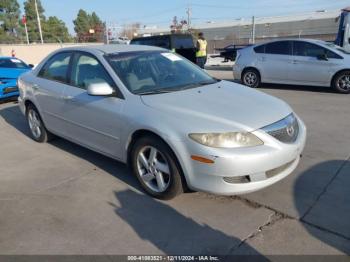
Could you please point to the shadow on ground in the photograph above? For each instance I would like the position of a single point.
(170, 231)
(328, 214)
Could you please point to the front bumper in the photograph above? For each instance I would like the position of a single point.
(241, 170)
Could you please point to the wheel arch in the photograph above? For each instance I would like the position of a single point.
(145, 132)
(251, 68)
(337, 73)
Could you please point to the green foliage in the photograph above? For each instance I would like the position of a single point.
(86, 22)
(9, 20)
(55, 30)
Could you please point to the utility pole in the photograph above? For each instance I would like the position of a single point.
(107, 33)
(189, 13)
(253, 30)
(39, 23)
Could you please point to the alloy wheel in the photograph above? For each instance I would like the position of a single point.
(344, 82)
(250, 78)
(153, 169)
(34, 123)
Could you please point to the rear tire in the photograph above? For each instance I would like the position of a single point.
(341, 82)
(155, 166)
(251, 78)
(37, 128)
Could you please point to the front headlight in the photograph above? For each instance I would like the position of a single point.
(227, 140)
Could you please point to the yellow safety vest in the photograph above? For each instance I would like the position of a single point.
(202, 48)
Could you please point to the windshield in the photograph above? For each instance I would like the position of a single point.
(336, 47)
(152, 72)
(12, 63)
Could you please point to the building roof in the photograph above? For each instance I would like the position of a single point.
(318, 15)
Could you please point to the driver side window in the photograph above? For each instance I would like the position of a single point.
(86, 70)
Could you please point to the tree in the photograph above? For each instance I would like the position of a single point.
(89, 28)
(9, 20)
(82, 25)
(32, 23)
(55, 30)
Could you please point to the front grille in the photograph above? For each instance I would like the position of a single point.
(285, 130)
(8, 90)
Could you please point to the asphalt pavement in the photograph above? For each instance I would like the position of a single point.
(60, 198)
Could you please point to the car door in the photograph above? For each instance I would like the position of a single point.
(273, 63)
(93, 121)
(48, 88)
(307, 66)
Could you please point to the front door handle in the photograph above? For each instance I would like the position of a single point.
(35, 87)
(294, 62)
(69, 98)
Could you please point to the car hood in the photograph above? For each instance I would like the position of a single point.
(11, 73)
(219, 107)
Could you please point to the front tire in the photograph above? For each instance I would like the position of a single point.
(155, 166)
(341, 82)
(251, 78)
(36, 126)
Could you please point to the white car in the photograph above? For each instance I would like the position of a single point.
(295, 62)
(175, 125)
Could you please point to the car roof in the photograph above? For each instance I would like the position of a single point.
(113, 48)
(315, 41)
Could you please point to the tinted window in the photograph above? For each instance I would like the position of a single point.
(278, 48)
(86, 70)
(56, 68)
(309, 49)
(260, 49)
(182, 42)
(12, 63)
(333, 55)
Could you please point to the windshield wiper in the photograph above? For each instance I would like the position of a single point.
(153, 92)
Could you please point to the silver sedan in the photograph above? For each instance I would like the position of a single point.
(174, 125)
(295, 62)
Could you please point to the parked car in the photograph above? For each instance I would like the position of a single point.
(10, 69)
(176, 126)
(182, 44)
(295, 62)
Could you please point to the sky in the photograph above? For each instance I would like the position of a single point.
(161, 12)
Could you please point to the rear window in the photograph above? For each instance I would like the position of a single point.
(279, 48)
(163, 42)
(183, 42)
(260, 49)
(12, 63)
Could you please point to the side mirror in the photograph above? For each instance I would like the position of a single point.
(31, 65)
(322, 57)
(100, 89)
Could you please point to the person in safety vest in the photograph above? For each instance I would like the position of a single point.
(201, 54)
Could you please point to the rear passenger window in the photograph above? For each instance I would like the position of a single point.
(279, 48)
(260, 49)
(310, 50)
(56, 68)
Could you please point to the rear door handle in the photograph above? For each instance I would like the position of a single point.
(294, 62)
